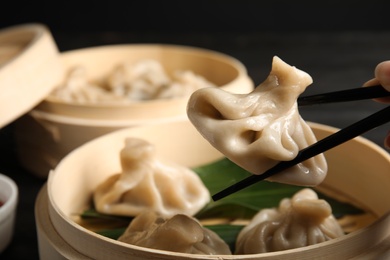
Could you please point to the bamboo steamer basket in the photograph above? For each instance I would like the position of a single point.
(359, 173)
(54, 128)
(224, 71)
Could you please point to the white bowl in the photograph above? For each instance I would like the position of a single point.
(358, 173)
(9, 199)
(54, 128)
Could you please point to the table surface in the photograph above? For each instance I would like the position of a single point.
(335, 60)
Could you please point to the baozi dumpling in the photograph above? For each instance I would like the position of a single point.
(300, 221)
(149, 183)
(180, 233)
(260, 129)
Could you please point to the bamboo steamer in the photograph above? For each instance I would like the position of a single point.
(359, 172)
(224, 71)
(53, 128)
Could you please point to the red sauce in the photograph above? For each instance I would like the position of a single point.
(1, 203)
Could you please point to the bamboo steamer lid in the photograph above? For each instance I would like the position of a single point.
(29, 69)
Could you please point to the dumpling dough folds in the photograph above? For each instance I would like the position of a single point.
(78, 89)
(180, 233)
(300, 221)
(259, 129)
(148, 183)
(148, 80)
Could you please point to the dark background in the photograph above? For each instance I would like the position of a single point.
(338, 43)
(231, 26)
(200, 16)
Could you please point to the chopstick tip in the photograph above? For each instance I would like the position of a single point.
(218, 196)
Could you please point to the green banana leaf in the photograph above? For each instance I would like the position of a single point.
(245, 203)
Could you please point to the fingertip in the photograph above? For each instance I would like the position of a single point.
(382, 73)
(371, 82)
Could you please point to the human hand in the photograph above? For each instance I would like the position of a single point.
(382, 77)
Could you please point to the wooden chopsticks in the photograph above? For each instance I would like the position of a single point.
(379, 118)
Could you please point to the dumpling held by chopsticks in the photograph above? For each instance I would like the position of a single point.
(259, 129)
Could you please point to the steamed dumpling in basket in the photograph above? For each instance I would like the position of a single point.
(149, 183)
(300, 221)
(179, 233)
(259, 129)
